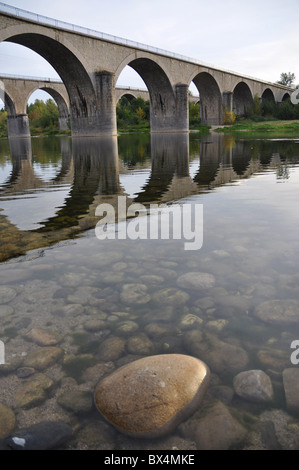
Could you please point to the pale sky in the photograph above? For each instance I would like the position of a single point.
(259, 38)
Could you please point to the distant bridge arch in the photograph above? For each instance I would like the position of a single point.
(210, 98)
(242, 98)
(268, 95)
(62, 104)
(131, 93)
(286, 97)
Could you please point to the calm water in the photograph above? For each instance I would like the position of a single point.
(56, 275)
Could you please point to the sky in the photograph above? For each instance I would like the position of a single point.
(258, 38)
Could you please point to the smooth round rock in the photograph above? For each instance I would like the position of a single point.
(277, 312)
(196, 280)
(134, 294)
(149, 397)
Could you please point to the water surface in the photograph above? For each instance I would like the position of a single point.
(64, 280)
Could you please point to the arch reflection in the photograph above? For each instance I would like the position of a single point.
(87, 173)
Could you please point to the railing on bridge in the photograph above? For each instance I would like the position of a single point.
(27, 77)
(28, 15)
(58, 80)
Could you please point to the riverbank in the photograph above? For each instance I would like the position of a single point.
(271, 128)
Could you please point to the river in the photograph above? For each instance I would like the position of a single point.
(64, 278)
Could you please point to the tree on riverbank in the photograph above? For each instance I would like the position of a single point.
(43, 116)
(3, 125)
(287, 79)
(133, 112)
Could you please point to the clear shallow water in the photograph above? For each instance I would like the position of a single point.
(65, 280)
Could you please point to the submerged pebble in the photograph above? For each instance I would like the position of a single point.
(7, 294)
(134, 294)
(254, 385)
(42, 436)
(6, 310)
(196, 280)
(278, 312)
(7, 420)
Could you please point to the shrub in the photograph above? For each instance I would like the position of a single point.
(229, 117)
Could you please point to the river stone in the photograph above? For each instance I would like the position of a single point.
(291, 388)
(43, 337)
(77, 401)
(277, 312)
(33, 391)
(223, 358)
(7, 421)
(152, 279)
(42, 436)
(140, 344)
(112, 348)
(196, 280)
(149, 397)
(190, 320)
(170, 297)
(134, 294)
(214, 427)
(5, 310)
(254, 385)
(7, 294)
(127, 327)
(43, 358)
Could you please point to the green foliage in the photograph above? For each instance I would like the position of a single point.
(287, 79)
(229, 117)
(43, 116)
(256, 109)
(194, 114)
(133, 112)
(268, 110)
(3, 123)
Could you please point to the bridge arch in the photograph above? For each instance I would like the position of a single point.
(210, 98)
(71, 69)
(62, 105)
(8, 103)
(242, 98)
(162, 95)
(268, 95)
(286, 97)
(129, 95)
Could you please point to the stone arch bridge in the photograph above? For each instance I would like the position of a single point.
(16, 91)
(89, 64)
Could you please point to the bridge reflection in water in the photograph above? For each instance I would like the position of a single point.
(90, 172)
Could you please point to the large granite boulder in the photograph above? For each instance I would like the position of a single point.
(151, 396)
